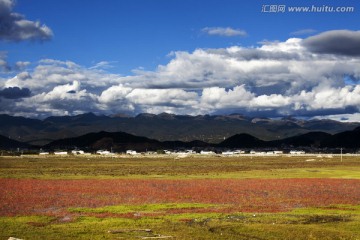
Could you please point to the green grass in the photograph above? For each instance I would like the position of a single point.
(170, 168)
(146, 208)
(335, 222)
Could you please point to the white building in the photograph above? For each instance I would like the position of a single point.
(257, 153)
(190, 151)
(228, 153)
(206, 152)
(131, 152)
(103, 152)
(294, 152)
(239, 152)
(77, 152)
(60, 153)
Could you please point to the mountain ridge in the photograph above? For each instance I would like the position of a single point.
(121, 141)
(164, 127)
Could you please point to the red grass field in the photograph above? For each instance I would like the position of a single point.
(31, 196)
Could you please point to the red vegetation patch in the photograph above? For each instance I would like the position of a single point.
(30, 196)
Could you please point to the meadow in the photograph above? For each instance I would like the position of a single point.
(167, 197)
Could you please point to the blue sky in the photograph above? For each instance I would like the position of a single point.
(141, 33)
(111, 56)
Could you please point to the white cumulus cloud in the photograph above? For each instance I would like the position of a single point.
(275, 78)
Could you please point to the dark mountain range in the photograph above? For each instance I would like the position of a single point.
(10, 144)
(120, 142)
(315, 140)
(348, 139)
(311, 139)
(164, 127)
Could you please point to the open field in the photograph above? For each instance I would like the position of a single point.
(165, 167)
(186, 198)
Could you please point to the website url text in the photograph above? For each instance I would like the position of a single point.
(307, 9)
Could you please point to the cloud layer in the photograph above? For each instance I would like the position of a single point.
(294, 77)
(14, 26)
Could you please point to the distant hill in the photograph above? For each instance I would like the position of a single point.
(10, 144)
(164, 127)
(311, 139)
(347, 139)
(242, 141)
(120, 141)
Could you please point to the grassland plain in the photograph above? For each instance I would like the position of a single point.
(179, 198)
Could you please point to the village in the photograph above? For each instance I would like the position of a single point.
(192, 153)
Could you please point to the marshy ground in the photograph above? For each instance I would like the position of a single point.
(194, 197)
